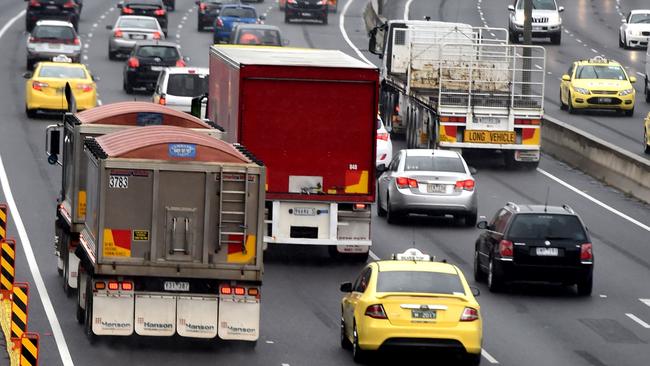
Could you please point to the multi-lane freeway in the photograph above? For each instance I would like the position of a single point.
(528, 325)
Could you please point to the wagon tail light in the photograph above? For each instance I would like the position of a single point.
(159, 12)
(133, 63)
(586, 253)
(38, 85)
(467, 184)
(156, 35)
(118, 33)
(69, 4)
(85, 87)
(469, 315)
(180, 63)
(127, 10)
(382, 136)
(34, 3)
(376, 311)
(403, 182)
(505, 249)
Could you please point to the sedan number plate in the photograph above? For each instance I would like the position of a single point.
(495, 137)
(177, 286)
(423, 314)
(54, 46)
(137, 36)
(436, 188)
(156, 68)
(546, 252)
(304, 211)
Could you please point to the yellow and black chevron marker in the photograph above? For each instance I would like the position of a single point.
(29, 349)
(4, 217)
(19, 313)
(7, 267)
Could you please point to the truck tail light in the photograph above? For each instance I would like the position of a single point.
(226, 290)
(39, 85)
(117, 33)
(127, 10)
(159, 12)
(240, 291)
(100, 285)
(586, 253)
(376, 311)
(382, 136)
(360, 207)
(469, 315)
(505, 249)
(467, 184)
(85, 87)
(403, 182)
(156, 35)
(180, 63)
(113, 285)
(453, 119)
(253, 291)
(133, 63)
(126, 285)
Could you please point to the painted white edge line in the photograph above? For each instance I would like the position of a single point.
(36, 273)
(645, 301)
(489, 357)
(29, 253)
(640, 74)
(374, 256)
(407, 9)
(345, 34)
(638, 321)
(599, 203)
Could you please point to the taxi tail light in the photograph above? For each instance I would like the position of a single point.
(100, 285)
(376, 311)
(127, 10)
(85, 87)
(118, 33)
(467, 184)
(156, 35)
(226, 290)
(113, 285)
(126, 285)
(39, 85)
(469, 315)
(159, 12)
(180, 63)
(586, 253)
(240, 291)
(382, 136)
(69, 4)
(403, 182)
(162, 100)
(505, 248)
(133, 63)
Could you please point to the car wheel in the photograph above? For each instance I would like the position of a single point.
(287, 19)
(620, 41)
(358, 355)
(65, 253)
(625, 46)
(128, 88)
(31, 113)
(570, 105)
(556, 38)
(494, 280)
(112, 55)
(470, 219)
(646, 143)
(562, 105)
(472, 359)
(381, 212)
(585, 286)
(392, 217)
(514, 38)
(29, 65)
(345, 342)
(325, 19)
(199, 26)
(479, 275)
(629, 112)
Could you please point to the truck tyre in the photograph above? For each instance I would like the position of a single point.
(81, 314)
(286, 17)
(65, 254)
(562, 105)
(88, 327)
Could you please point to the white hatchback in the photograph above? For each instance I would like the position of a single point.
(177, 86)
(384, 145)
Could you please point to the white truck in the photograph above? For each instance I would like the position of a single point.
(455, 86)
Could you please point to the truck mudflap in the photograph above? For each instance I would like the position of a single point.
(197, 316)
(155, 315)
(112, 312)
(239, 318)
(73, 265)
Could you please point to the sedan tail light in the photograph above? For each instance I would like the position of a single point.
(467, 185)
(202, 6)
(162, 100)
(292, 1)
(382, 136)
(126, 10)
(76, 41)
(133, 63)
(117, 33)
(156, 35)
(180, 63)
(39, 85)
(403, 182)
(376, 311)
(586, 253)
(505, 249)
(159, 12)
(469, 315)
(219, 23)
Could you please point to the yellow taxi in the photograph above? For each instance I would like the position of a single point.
(646, 134)
(597, 83)
(411, 301)
(45, 87)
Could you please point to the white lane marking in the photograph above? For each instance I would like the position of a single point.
(99, 102)
(373, 255)
(488, 357)
(180, 26)
(579, 41)
(185, 17)
(85, 57)
(90, 35)
(407, 9)
(102, 16)
(26, 246)
(270, 342)
(94, 25)
(645, 301)
(178, 36)
(640, 73)
(638, 321)
(86, 45)
(285, 364)
(594, 51)
(11, 22)
(599, 203)
(345, 34)
(603, 296)
(537, 66)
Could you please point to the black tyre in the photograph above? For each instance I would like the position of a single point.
(29, 64)
(494, 278)
(620, 41)
(570, 105)
(629, 112)
(392, 217)
(81, 314)
(358, 355)
(88, 326)
(471, 218)
(479, 275)
(128, 88)
(112, 55)
(345, 342)
(513, 37)
(472, 359)
(65, 253)
(562, 105)
(645, 142)
(333, 253)
(381, 212)
(287, 19)
(325, 19)
(556, 38)
(585, 286)
(31, 113)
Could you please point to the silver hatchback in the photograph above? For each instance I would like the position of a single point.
(426, 181)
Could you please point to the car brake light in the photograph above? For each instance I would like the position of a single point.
(100, 285)
(382, 136)
(202, 6)
(31, 40)
(467, 184)
(376, 311)
(469, 315)
(159, 12)
(118, 33)
(39, 85)
(69, 4)
(240, 291)
(219, 23)
(505, 248)
(113, 285)
(162, 100)
(292, 1)
(34, 3)
(156, 35)
(253, 292)
(76, 41)
(403, 182)
(359, 206)
(586, 253)
(85, 87)
(127, 10)
(180, 63)
(133, 63)
(127, 285)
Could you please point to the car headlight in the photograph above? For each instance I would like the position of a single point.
(626, 92)
(581, 90)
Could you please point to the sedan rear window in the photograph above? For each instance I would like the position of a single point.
(419, 281)
(62, 72)
(526, 226)
(238, 13)
(140, 23)
(187, 85)
(434, 163)
(158, 51)
(53, 32)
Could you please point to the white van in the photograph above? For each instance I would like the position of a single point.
(177, 86)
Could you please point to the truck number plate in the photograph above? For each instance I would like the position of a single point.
(304, 211)
(495, 137)
(177, 286)
(118, 181)
(488, 120)
(547, 252)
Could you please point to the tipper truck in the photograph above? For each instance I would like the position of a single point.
(172, 238)
(310, 115)
(454, 86)
(71, 202)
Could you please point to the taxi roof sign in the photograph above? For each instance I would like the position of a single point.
(598, 60)
(62, 58)
(412, 254)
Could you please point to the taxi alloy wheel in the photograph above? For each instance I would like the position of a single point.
(646, 143)
(358, 354)
(562, 105)
(345, 342)
(570, 105)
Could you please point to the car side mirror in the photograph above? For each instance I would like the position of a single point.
(483, 225)
(560, 9)
(285, 42)
(632, 79)
(382, 168)
(53, 143)
(511, 8)
(28, 75)
(566, 77)
(346, 287)
(109, 27)
(473, 170)
(262, 17)
(475, 291)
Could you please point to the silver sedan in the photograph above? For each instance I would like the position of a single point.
(128, 30)
(426, 181)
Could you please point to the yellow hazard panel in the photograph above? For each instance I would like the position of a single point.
(356, 182)
(242, 255)
(117, 243)
(531, 136)
(81, 204)
(447, 133)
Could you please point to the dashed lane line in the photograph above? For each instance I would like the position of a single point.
(637, 320)
(645, 301)
(489, 357)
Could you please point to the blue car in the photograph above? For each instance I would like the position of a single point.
(231, 14)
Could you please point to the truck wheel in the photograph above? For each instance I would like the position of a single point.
(514, 38)
(88, 328)
(473, 359)
(65, 254)
(81, 314)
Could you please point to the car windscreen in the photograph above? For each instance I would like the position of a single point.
(187, 85)
(640, 18)
(238, 13)
(538, 4)
(139, 23)
(600, 72)
(546, 226)
(62, 72)
(158, 51)
(434, 163)
(53, 32)
(419, 281)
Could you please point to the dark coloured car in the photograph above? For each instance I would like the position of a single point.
(534, 243)
(257, 34)
(67, 10)
(231, 14)
(147, 60)
(170, 4)
(310, 9)
(208, 10)
(150, 8)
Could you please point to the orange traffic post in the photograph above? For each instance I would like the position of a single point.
(19, 312)
(29, 349)
(7, 267)
(4, 217)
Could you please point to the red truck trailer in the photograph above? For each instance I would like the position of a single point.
(310, 116)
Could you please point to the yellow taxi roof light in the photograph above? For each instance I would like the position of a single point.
(62, 58)
(412, 254)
